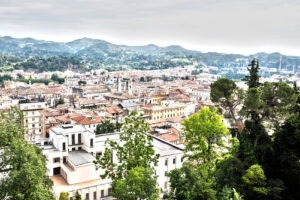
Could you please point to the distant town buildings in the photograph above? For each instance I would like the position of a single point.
(62, 119)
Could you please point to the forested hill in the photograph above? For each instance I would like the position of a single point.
(86, 53)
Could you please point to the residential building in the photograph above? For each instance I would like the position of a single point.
(34, 118)
(71, 150)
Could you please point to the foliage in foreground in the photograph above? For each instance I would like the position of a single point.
(23, 163)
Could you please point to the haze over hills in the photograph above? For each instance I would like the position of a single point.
(96, 53)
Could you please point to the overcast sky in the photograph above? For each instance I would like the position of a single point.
(238, 26)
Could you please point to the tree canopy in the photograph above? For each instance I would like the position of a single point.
(24, 164)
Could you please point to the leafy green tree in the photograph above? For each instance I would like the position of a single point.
(60, 101)
(64, 196)
(81, 82)
(140, 183)
(191, 183)
(77, 196)
(107, 127)
(204, 132)
(227, 95)
(133, 150)
(255, 182)
(58, 79)
(229, 194)
(23, 163)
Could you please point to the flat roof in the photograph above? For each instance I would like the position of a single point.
(80, 157)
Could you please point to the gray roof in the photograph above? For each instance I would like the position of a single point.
(80, 157)
(128, 104)
(165, 148)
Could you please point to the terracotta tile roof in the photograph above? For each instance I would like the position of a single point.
(114, 110)
(173, 131)
(170, 137)
(80, 119)
(63, 118)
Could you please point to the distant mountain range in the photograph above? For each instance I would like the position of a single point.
(96, 53)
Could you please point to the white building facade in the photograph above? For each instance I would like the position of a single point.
(72, 149)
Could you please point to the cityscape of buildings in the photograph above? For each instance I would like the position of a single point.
(61, 119)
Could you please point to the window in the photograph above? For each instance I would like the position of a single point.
(87, 196)
(174, 160)
(166, 185)
(91, 142)
(56, 160)
(95, 195)
(73, 138)
(64, 159)
(33, 119)
(109, 191)
(102, 193)
(73, 149)
(79, 138)
(64, 146)
(166, 162)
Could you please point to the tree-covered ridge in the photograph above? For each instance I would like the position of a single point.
(58, 63)
(102, 54)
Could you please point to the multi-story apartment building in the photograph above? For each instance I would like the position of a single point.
(34, 118)
(72, 149)
(165, 110)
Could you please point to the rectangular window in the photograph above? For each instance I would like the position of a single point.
(64, 146)
(95, 195)
(166, 162)
(174, 160)
(102, 193)
(79, 148)
(91, 142)
(166, 185)
(79, 138)
(56, 160)
(73, 139)
(109, 191)
(87, 196)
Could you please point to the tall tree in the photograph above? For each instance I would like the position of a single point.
(191, 183)
(286, 165)
(24, 164)
(136, 159)
(252, 79)
(227, 95)
(255, 183)
(134, 149)
(204, 132)
(138, 184)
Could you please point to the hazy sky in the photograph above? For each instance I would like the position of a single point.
(239, 26)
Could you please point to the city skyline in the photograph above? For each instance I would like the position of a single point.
(228, 27)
